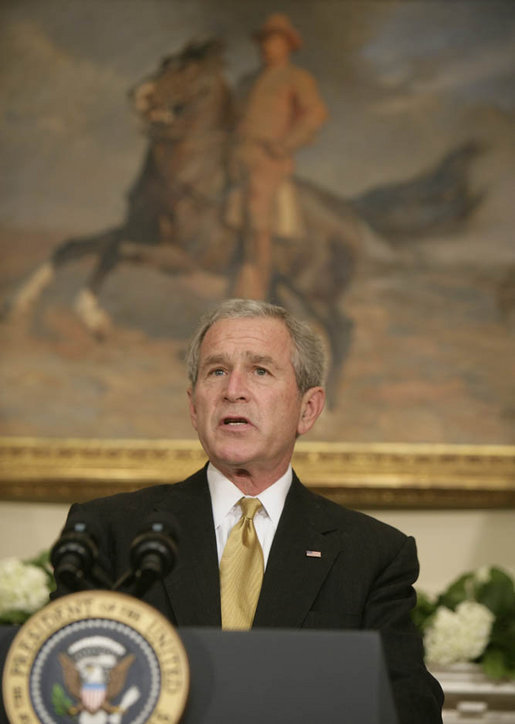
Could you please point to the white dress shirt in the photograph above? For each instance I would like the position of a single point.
(226, 512)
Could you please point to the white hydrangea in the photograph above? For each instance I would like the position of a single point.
(460, 635)
(23, 587)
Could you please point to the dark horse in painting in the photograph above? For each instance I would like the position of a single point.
(176, 218)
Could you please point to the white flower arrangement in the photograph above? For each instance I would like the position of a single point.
(473, 620)
(460, 635)
(24, 588)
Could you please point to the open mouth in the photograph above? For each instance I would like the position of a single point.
(235, 421)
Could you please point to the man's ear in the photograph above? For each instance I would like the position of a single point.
(313, 402)
(193, 411)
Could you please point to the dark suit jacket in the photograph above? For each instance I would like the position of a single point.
(363, 579)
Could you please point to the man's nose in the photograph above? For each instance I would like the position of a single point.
(236, 387)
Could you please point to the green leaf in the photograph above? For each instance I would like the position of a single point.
(42, 560)
(460, 590)
(498, 593)
(60, 701)
(14, 617)
(494, 665)
(423, 611)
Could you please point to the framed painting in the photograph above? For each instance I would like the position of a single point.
(130, 137)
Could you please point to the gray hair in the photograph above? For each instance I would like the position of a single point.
(308, 359)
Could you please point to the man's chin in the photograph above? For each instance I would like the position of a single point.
(233, 461)
(232, 456)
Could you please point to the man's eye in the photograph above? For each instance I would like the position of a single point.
(261, 371)
(216, 372)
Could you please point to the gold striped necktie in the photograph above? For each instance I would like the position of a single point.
(241, 570)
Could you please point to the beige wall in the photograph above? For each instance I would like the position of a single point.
(453, 542)
(449, 542)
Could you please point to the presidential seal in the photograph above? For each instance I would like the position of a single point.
(96, 657)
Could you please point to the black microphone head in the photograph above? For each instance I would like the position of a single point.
(154, 550)
(74, 553)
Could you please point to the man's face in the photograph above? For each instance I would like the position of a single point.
(246, 406)
(275, 48)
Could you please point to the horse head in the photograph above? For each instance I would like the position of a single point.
(187, 95)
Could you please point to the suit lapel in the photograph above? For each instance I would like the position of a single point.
(293, 578)
(193, 586)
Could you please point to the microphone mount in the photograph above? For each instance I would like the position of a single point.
(153, 552)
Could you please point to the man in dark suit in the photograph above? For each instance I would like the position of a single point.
(256, 377)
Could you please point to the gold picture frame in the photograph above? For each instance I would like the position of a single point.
(362, 475)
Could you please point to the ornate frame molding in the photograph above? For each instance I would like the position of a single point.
(376, 475)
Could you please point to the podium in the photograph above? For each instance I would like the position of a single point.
(272, 676)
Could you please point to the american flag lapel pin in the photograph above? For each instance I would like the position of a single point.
(314, 554)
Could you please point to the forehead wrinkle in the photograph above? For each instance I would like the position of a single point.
(253, 357)
(213, 359)
(260, 358)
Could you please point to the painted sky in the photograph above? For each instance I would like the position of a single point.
(401, 80)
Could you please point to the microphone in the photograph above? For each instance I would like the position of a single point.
(153, 553)
(74, 558)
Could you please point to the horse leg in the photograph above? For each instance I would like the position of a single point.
(86, 305)
(30, 291)
(27, 295)
(338, 325)
(339, 328)
(319, 295)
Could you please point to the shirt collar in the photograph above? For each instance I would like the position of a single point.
(225, 495)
